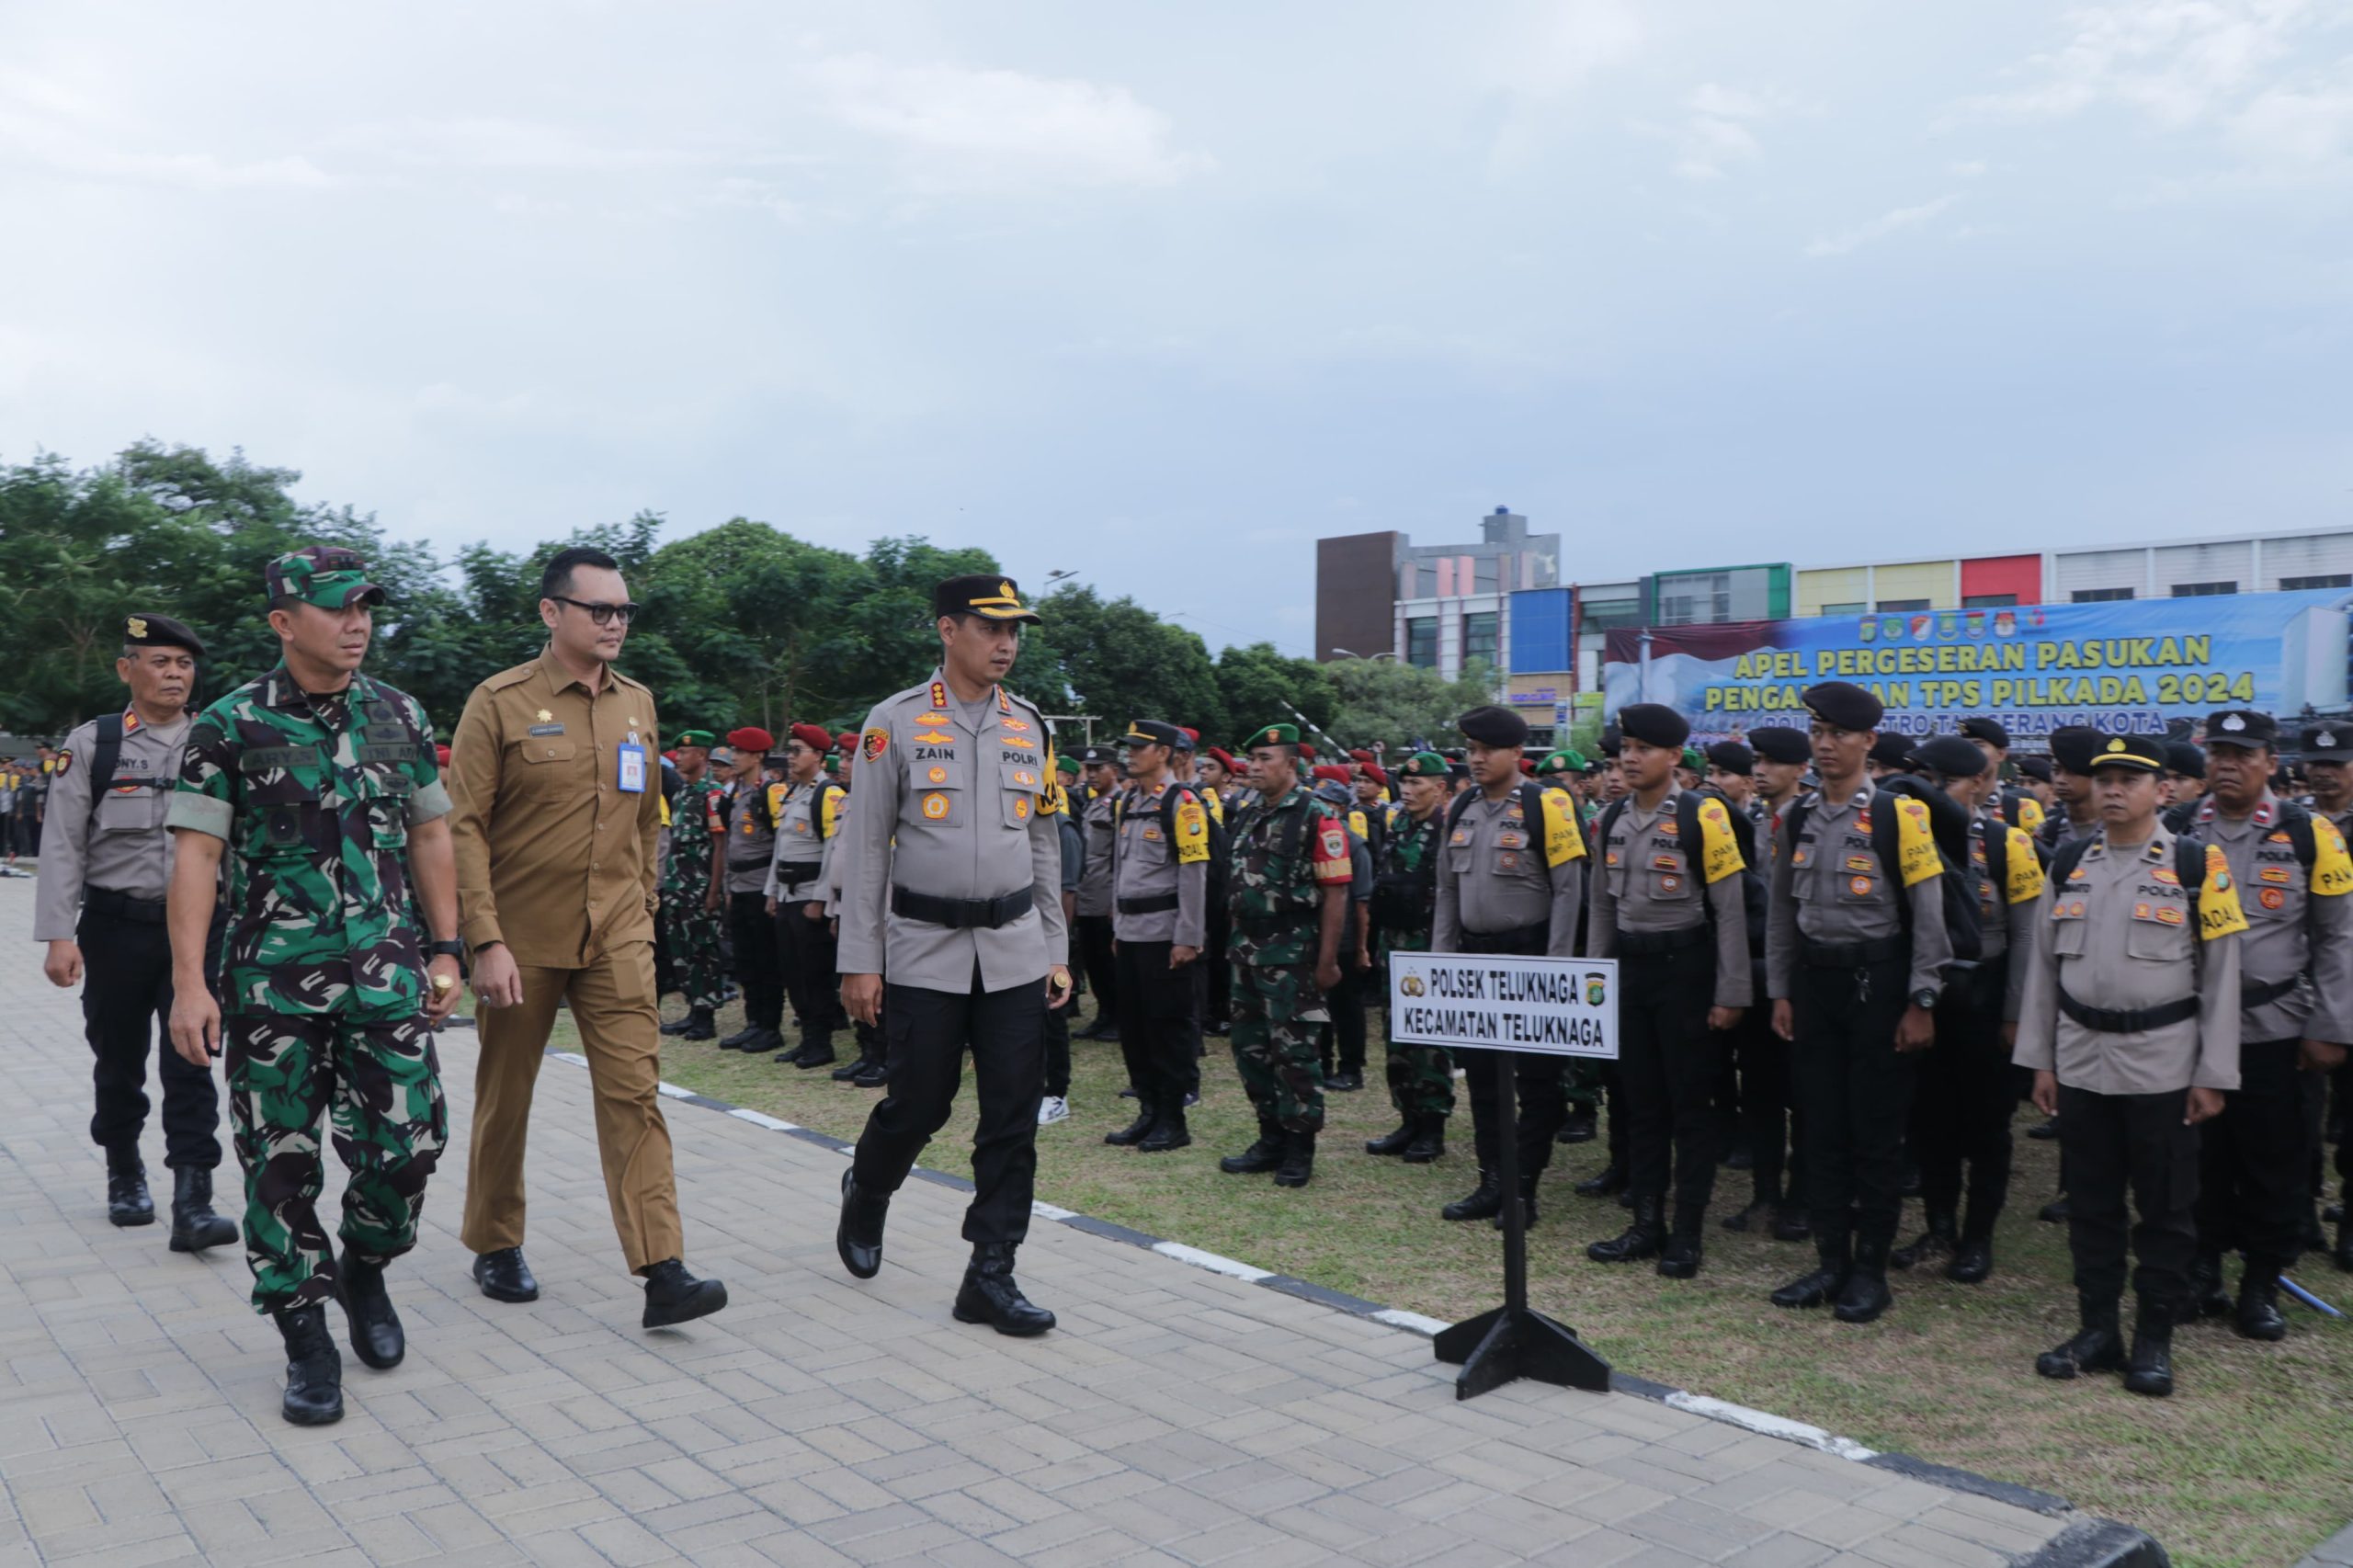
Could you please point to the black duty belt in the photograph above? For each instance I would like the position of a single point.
(2254, 994)
(1646, 943)
(794, 875)
(122, 906)
(1151, 906)
(961, 913)
(1517, 941)
(1851, 955)
(2129, 1020)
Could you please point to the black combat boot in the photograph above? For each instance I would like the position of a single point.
(1260, 1157)
(1484, 1201)
(2258, 1305)
(376, 1337)
(816, 1048)
(313, 1370)
(1608, 1182)
(858, 1236)
(1135, 1131)
(673, 1295)
(735, 1042)
(1527, 1202)
(1757, 1216)
(194, 1224)
(1865, 1295)
(2099, 1345)
(1394, 1143)
(2210, 1298)
(849, 1069)
(1580, 1127)
(2344, 1254)
(127, 1202)
(1939, 1244)
(2055, 1212)
(1168, 1131)
(699, 1024)
(1972, 1260)
(1298, 1160)
(990, 1296)
(1833, 1260)
(1792, 1224)
(1429, 1139)
(1680, 1259)
(2150, 1371)
(1644, 1238)
(764, 1039)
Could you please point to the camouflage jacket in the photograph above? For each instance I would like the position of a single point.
(1404, 898)
(696, 817)
(1284, 855)
(315, 808)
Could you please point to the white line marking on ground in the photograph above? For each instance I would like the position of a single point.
(758, 1119)
(1396, 1317)
(1771, 1426)
(1211, 1261)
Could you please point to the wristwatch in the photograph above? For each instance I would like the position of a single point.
(446, 950)
(1925, 999)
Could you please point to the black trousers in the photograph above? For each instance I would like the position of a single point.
(1962, 1114)
(1346, 1034)
(1856, 1090)
(1160, 1024)
(1542, 1105)
(2114, 1140)
(925, 1035)
(126, 1009)
(758, 968)
(1095, 955)
(808, 951)
(1769, 1113)
(1668, 1063)
(2254, 1188)
(1055, 1033)
(1217, 979)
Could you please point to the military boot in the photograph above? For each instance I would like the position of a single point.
(2257, 1316)
(1429, 1139)
(376, 1335)
(1260, 1157)
(859, 1235)
(1395, 1143)
(194, 1224)
(1644, 1238)
(2344, 1253)
(1940, 1243)
(1610, 1181)
(1792, 1224)
(2150, 1370)
(816, 1048)
(1833, 1260)
(127, 1201)
(1528, 1181)
(1298, 1160)
(1135, 1131)
(989, 1294)
(736, 1041)
(1865, 1295)
(695, 1025)
(313, 1369)
(1680, 1259)
(1481, 1202)
(2209, 1297)
(1168, 1131)
(2099, 1345)
(1580, 1127)
(675, 1296)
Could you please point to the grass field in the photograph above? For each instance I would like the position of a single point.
(2251, 1462)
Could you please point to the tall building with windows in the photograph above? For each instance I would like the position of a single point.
(1443, 607)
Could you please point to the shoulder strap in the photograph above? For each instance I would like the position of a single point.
(2190, 864)
(2298, 823)
(1456, 807)
(2070, 854)
(1799, 809)
(106, 753)
(1610, 815)
(1887, 844)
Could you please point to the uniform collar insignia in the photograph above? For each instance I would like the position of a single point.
(939, 696)
(129, 720)
(2264, 814)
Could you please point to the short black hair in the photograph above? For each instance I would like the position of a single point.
(556, 580)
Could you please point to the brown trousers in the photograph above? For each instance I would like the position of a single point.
(613, 1007)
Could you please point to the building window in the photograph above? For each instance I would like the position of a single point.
(1889, 607)
(1854, 609)
(2100, 595)
(1702, 599)
(1988, 601)
(2332, 580)
(1608, 615)
(1479, 638)
(1421, 641)
(2203, 590)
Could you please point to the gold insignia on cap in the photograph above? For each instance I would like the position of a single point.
(1005, 590)
(137, 625)
(2116, 746)
(544, 716)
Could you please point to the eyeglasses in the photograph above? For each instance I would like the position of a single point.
(602, 614)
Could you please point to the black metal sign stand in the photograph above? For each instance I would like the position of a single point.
(1511, 1341)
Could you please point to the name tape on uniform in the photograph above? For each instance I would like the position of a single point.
(1496, 1002)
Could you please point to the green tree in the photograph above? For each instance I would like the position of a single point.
(1397, 703)
(1259, 685)
(1118, 660)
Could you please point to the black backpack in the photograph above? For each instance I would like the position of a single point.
(1959, 899)
(1220, 842)
(1688, 832)
(2188, 865)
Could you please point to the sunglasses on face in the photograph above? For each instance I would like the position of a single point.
(602, 614)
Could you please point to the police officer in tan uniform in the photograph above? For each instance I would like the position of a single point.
(951, 914)
(1160, 855)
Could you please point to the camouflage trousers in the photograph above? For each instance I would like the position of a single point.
(1421, 1077)
(1277, 1009)
(696, 963)
(1582, 1082)
(378, 1086)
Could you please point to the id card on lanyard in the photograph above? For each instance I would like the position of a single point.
(632, 770)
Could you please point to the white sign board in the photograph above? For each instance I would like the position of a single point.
(1496, 1002)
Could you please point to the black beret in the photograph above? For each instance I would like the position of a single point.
(1990, 731)
(2036, 768)
(2240, 727)
(1889, 750)
(2185, 759)
(1612, 743)
(2072, 746)
(1152, 732)
(159, 631)
(1951, 755)
(2329, 743)
(1493, 727)
(1654, 723)
(2145, 752)
(1844, 704)
(1732, 757)
(1780, 744)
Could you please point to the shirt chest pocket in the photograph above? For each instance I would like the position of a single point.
(2277, 894)
(1460, 851)
(1855, 881)
(282, 792)
(945, 803)
(383, 790)
(2070, 932)
(130, 811)
(545, 766)
(1020, 786)
(1667, 877)
(2159, 931)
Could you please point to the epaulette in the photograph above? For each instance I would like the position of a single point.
(621, 679)
(514, 677)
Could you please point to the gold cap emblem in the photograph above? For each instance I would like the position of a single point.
(136, 626)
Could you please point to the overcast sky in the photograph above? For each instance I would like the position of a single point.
(1161, 294)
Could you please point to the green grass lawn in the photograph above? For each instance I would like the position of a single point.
(2248, 1463)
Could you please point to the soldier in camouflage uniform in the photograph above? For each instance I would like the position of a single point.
(698, 816)
(1290, 885)
(1405, 902)
(323, 782)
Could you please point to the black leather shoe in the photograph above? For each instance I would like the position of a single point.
(1865, 1295)
(1429, 1141)
(1646, 1237)
(764, 1039)
(194, 1226)
(816, 1050)
(859, 1237)
(1527, 1205)
(848, 1070)
(702, 1023)
(1169, 1132)
(735, 1042)
(1345, 1082)
(1936, 1245)
(504, 1276)
(2097, 1348)
(1973, 1261)
(1811, 1289)
(1681, 1258)
(1484, 1201)
(2258, 1315)
(376, 1337)
(2044, 1129)
(1393, 1143)
(875, 1075)
(1101, 1029)
(673, 1295)
(2055, 1212)
(1611, 1180)
(1135, 1131)
(128, 1201)
(989, 1294)
(2149, 1369)
(1578, 1128)
(1297, 1166)
(1261, 1156)
(1792, 1223)
(313, 1369)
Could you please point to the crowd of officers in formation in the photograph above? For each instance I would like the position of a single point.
(1845, 957)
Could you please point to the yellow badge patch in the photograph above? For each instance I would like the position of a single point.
(1720, 854)
(1562, 840)
(1192, 833)
(935, 808)
(2025, 870)
(1916, 847)
(2332, 867)
(2219, 914)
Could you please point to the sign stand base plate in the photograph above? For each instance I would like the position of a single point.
(1505, 1343)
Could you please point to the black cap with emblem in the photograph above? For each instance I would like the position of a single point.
(1492, 727)
(2240, 727)
(1843, 704)
(2329, 743)
(1611, 741)
(2185, 759)
(159, 631)
(2145, 753)
(1093, 754)
(2035, 768)
(1654, 724)
(1778, 743)
(986, 594)
(1152, 732)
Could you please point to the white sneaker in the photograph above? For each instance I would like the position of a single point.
(1052, 1108)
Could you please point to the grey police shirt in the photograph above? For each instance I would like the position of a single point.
(798, 859)
(1828, 886)
(2004, 924)
(750, 841)
(1492, 877)
(125, 847)
(1147, 868)
(1095, 882)
(1651, 881)
(2292, 930)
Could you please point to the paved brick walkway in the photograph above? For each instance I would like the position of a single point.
(1178, 1416)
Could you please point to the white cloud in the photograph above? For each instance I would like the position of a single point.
(1880, 227)
(1966, 168)
(2178, 61)
(2302, 129)
(1717, 134)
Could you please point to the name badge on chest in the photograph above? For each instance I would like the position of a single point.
(631, 766)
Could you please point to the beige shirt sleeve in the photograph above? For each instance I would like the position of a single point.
(477, 750)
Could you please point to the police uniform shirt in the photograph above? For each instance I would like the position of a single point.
(124, 848)
(2005, 909)
(1147, 866)
(948, 805)
(807, 817)
(1095, 882)
(750, 835)
(1828, 886)
(1493, 874)
(2117, 934)
(1651, 881)
(2299, 923)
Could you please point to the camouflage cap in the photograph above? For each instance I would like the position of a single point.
(323, 574)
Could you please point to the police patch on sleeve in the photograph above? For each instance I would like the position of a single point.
(1192, 832)
(1915, 847)
(2219, 914)
(2332, 867)
(1719, 851)
(2025, 869)
(871, 745)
